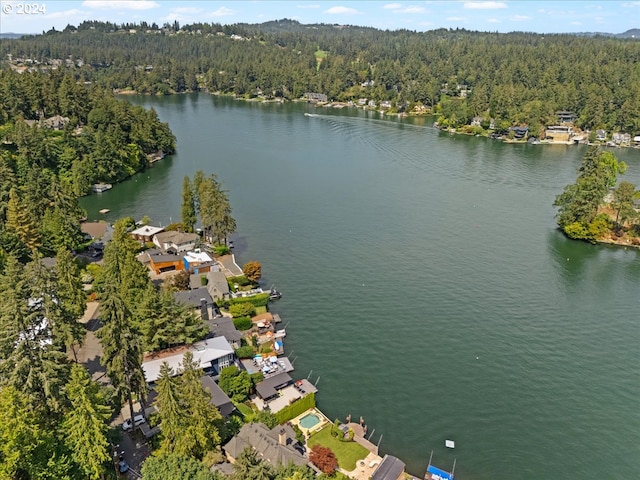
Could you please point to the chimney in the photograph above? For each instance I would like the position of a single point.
(282, 437)
(203, 309)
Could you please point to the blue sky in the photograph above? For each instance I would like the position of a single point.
(542, 16)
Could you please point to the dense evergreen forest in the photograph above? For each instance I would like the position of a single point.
(59, 136)
(515, 78)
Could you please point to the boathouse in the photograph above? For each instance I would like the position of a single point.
(391, 468)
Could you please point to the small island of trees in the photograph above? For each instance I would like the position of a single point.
(594, 209)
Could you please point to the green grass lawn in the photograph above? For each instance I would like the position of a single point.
(244, 409)
(348, 453)
(260, 310)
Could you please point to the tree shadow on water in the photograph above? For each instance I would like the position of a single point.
(570, 257)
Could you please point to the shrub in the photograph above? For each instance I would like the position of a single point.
(244, 352)
(242, 323)
(260, 300)
(242, 310)
(204, 280)
(576, 230)
(220, 250)
(324, 459)
(600, 226)
(240, 280)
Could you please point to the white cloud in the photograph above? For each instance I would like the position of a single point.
(308, 6)
(413, 9)
(392, 6)
(341, 10)
(186, 10)
(484, 5)
(576, 23)
(121, 4)
(493, 20)
(519, 18)
(221, 12)
(66, 14)
(456, 19)
(631, 4)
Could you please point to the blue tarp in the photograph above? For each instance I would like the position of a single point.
(440, 473)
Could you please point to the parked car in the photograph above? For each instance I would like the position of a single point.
(137, 420)
(123, 466)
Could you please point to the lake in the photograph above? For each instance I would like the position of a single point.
(424, 283)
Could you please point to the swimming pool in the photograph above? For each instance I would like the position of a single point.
(310, 420)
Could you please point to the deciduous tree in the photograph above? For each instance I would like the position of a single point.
(324, 459)
(252, 270)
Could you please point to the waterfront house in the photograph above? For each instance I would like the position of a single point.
(519, 132)
(198, 262)
(385, 104)
(94, 230)
(559, 133)
(176, 241)
(636, 141)
(165, 262)
(217, 285)
(268, 388)
(565, 117)
(221, 326)
(601, 135)
(362, 102)
(277, 446)
(218, 398)
(212, 355)
(476, 121)
(391, 468)
(621, 139)
(316, 97)
(372, 104)
(145, 233)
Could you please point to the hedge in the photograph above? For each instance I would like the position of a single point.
(242, 323)
(296, 408)
(260, 300)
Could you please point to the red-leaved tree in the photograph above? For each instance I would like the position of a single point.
(324, 459)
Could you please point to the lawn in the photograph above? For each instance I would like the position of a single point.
(244, 409)
(348, 453)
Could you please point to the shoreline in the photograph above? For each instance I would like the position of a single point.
(340, 105)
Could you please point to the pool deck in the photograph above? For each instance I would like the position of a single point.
(319, 426)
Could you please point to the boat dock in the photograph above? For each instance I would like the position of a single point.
(435, 473)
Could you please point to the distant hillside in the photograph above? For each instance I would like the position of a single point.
(519, 78)
(633, 33)
(11, 35)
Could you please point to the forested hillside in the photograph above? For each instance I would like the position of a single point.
(515, 78)
(59, 136)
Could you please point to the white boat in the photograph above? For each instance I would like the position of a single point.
(101, 187)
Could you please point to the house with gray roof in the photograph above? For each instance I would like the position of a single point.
(391, 468)
(217, 285)
(224, 327)
(276, 446)
(218, 398)
(193, 298)
(178, 241)
(269, 387)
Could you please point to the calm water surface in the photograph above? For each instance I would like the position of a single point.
(424, 282)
